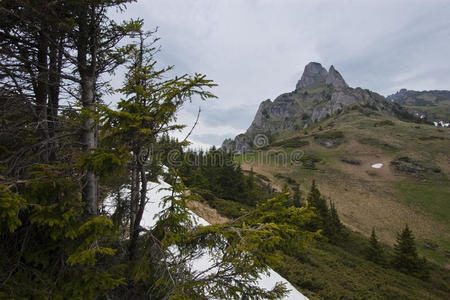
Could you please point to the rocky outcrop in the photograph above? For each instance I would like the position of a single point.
(409, 166)
(241, 144)
(334, 78)
(313, 74)
(319, 94)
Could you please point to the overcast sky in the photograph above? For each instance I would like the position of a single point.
(257, 49)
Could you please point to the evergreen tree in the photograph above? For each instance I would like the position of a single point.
(406, 258)
(334, 230)
(147, 112)
(374, 250)
(316, 200)
(296, 198)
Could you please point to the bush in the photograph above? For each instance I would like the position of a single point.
(333, 134)
(295, 142)
(384, 123)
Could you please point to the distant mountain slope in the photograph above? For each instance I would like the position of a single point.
(434, 106)
(319, 94)
(381, 169)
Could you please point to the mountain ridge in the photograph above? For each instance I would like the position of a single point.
(319, 94)
(432, 106)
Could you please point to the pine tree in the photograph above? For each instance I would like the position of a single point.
(296, 198)
(318, 201)
(334, 230)
(405, 252)
(374, 250)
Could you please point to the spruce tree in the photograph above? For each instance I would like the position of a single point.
(334, 230)
(374, 250)
(405, 257)
(296, 199)
(319, 202)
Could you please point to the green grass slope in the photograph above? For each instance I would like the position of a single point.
(412, 187)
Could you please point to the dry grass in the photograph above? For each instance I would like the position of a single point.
(366, 197)
(206, 212)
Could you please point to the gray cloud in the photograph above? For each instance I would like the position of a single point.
(257, 49)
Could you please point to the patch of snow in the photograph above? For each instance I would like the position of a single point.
(377, 165)
(442, 124)
(156, 192)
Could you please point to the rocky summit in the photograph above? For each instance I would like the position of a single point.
(319, 94)
(315, 74)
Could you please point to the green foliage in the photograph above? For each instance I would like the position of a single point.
(105, 161)
(56, 242)
(240, 250)
(10, 204)
(342, 271)
(333, 134)
(217, 172)
(295, 142)
(316, 200)
(333, 229)
(406, 258)
(309, 161)
(374, 250)
(384, 123)
(377, 143)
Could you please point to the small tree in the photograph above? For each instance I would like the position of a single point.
(334, 230)
(405, 257)
(316, 200)
(296, 199)
(374, 250)
(147, 112)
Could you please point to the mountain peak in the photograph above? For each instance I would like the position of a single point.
(314, 73)
(335, 78)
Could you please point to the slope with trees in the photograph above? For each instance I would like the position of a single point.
(59, 162)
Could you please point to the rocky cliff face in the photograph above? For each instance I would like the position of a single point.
(319, 94)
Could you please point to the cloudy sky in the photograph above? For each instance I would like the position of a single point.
(257, 49)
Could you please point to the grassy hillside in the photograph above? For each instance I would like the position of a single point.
(326, 271)
(435, 105)
(412, 187)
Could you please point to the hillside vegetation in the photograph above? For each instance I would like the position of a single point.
(411, 187)
(342, 270)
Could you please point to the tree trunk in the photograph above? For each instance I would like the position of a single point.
(142, 198)
(89, 141)
(87, 45)
(41, 88)
(54, 79)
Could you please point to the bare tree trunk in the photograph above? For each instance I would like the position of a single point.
(54, 78)
(134, 192)
(140, 202)
(87, 63)
(41, 88)
(89, 140)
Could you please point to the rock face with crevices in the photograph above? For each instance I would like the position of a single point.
(318, 95)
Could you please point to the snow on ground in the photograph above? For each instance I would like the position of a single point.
(156, 192)
(442, 124)
(377, 165)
